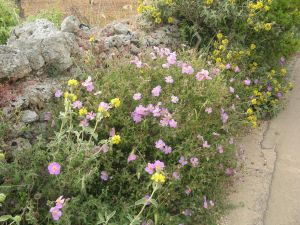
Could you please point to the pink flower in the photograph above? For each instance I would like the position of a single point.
(137, 96)
(231, 89)
(203, 75)
(188, 190)
(131, 157)
(137, 62)
(247, 82)
(60, 202)
(174, 99)
(182, 161)
(176, 175)
(84, 123)
(228, 66)
(169, 80)
(156, 91)
(91, 115)
(54, 168)
(237, 69)
(159, 165)
(194, 161)
(172, 123)
(187, 69)
(77, 105)
(160, 144)
(104, 176)
(104, 106)
(208, 110)
(88, 84)
(224, 116)
(205, 144)
(58, 94)
(172, 58)
(231, 80)
(150, 168)
(56, 213)
(220, 149)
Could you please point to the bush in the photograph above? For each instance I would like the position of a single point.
(271, 25)
(53, 14)
(8, 19)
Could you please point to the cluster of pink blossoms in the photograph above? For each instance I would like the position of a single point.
(161, 145)
(156, 111)
(56, 210)
(156, 166)
(88, 84)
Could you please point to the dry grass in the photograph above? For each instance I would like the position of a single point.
(98, 13)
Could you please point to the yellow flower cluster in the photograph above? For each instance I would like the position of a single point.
(256, 17)
(116, 139)
(70, 96)
(83, 111)
(116, 102)
(72, 82)
(152, 10)
(158, 178)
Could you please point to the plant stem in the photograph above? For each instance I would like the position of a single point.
(144, 206)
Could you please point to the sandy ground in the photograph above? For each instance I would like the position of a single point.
(267, 191)
(100, 12)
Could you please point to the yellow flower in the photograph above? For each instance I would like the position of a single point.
(116, 102)
(254, 101)
(158, 178)
(73, 82)
(268, 93)
(209, 2)
(216, 52)
(268, 26)
(116, 139)
(66, 94)
(218, 60)
(250, 111)
(83, 111)
(222, 47)
(267, 8)
(92, 39)
(219, 36)
(254, 124)
(283, 71)
(225, 42)
(73, 97)
(158, 20)
(252, 46)
(170, 20)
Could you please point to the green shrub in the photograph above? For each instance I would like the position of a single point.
(271, 25)
(8, 19)
(53, 14)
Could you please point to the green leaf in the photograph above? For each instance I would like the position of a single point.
(142, 201)
(110, 216)
(153, 202)
(5, 218)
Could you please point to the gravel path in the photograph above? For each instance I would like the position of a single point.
(267, 190)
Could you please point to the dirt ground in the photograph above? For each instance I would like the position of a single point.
(100, 12)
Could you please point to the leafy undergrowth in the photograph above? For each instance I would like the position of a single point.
(151, 141)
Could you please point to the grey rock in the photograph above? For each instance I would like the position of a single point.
(44, 45)
(13, 63)
(70, 24)
(121, 28)
(118, 40)
(134, 49)
(29, 116)
(20, 143)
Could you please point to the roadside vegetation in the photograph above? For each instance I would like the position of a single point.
(151, 140)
